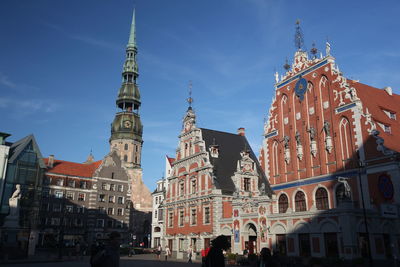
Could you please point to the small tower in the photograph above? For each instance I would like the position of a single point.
(189, 120)
(127, 129)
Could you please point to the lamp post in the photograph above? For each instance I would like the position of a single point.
(361, 166)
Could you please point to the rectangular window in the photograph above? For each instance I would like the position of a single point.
(193, 216)
(103, 186)
(111, 199)
(118, 224)
(82, 184)
(120, 212)
(100, 223)
(392, 115)
(69, 208)
(120, 188)
(246, 184)
(45, 192)
(155, 214)
(71, 183)
(102, 198)
(181, 217)
(102, 210)
(55, 221)
(120, 200)
(388, 129)
(56, 207)
(160, 214)
(59, 182)
(207, 215)
(170, 219)
(80, 209)
(58, 194)
(81, 197)
(45, 206)
(110, 223)
(181, 241)
(181, 189)
(70, 195)
(194, 186)
(112, 187)
(110, 211)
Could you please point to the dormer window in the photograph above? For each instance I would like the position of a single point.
(387, 129)
(392, 115)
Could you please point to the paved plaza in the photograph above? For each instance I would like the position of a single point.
(136, 260)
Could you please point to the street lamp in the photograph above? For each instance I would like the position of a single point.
(361, 165)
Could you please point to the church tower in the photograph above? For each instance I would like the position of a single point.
(127, 128)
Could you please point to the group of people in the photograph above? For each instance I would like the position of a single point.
(167, 252)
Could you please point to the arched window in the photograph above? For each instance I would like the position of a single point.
(300, 201)
(283, 203)
(321, 199)
(125, 158)
(345, 139)
(275, 158)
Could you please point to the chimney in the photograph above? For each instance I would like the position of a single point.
(50, 162)
(241, 131)
(388, 90)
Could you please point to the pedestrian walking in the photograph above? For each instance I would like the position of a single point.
(190, 254)
(158, 251)
(204, 253)
(78, 251)
(265, 257)
(167, 252)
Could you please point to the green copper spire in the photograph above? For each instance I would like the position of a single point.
(132, 36)
(127, 124)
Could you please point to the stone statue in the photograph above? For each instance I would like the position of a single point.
(328, 49)
(12, 220)
(312, 132)
(286, 140)
(345, 191)
(327, 128)
(262, 189)
(298, 140)
(17, 192)
(276, 77)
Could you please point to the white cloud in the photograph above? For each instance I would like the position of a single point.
(5, 81)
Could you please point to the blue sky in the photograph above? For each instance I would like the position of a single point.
(61, 62)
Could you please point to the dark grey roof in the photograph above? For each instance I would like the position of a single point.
(230, 146)
(17, 147)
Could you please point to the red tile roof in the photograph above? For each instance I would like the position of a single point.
(378, 100)
(73, 168)
(171, 160)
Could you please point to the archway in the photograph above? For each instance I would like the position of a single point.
(251, 238)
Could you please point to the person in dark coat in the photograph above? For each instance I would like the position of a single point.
(265, 257)
(215, 257)
(109, 256)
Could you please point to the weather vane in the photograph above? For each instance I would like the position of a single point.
(190, 99)
(298, 37)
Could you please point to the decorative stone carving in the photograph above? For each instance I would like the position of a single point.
(12, 220)
(368, 120)
(380, 142)
(328, 49)
(314, 148)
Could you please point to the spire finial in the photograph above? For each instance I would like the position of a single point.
(298, 37)
(132, 36)
(190, 99)
(314, 50)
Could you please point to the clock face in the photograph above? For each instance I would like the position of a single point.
(127, 124)
(301, 88)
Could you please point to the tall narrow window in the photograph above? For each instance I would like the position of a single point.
(207, 215)
(193, 217)
(246, 184)
(321, 199)
(300, 201)
(126, 146)
(181, 217)
(275, 159)
(283, 203)
(194, 186)
(125, 158)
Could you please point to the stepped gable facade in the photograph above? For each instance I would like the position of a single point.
(330, 153)
(216, 186)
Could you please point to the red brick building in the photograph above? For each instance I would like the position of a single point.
(216, 186)
(330, 153)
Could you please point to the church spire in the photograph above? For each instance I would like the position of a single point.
(127, 127)
(132, 36)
